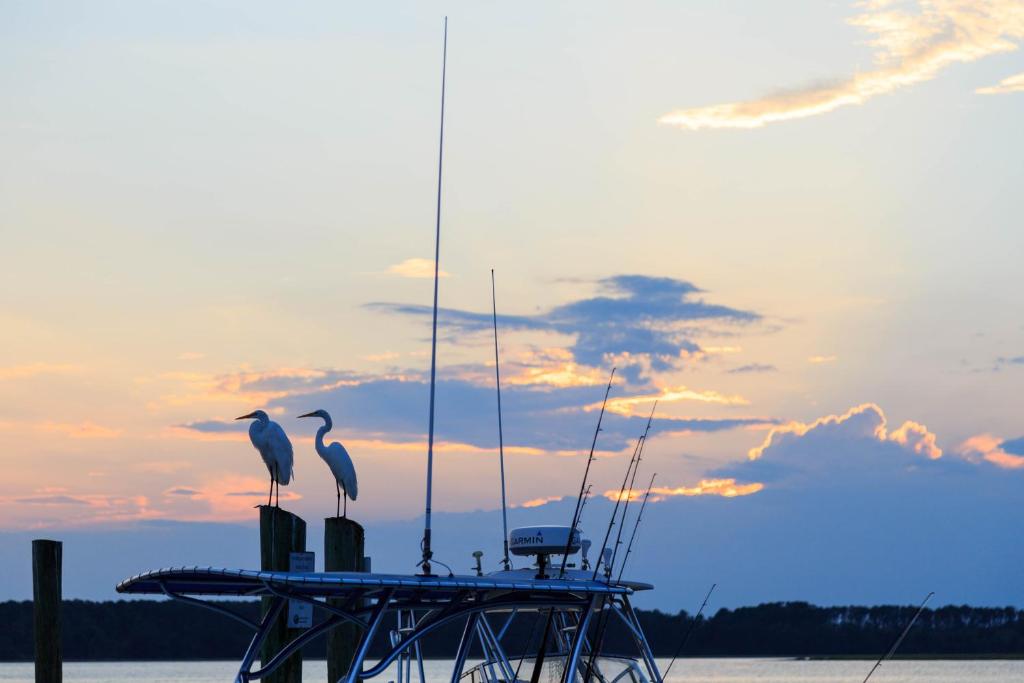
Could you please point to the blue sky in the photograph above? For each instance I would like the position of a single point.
(794, 224)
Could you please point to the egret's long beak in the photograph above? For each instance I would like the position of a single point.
(246, 417)
(308, 415)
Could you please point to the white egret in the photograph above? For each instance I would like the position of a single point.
(338, 459)
(274, 447)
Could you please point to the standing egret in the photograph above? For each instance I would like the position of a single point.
(337, 458)
(275, 449)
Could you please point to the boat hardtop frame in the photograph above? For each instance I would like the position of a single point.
(420, 605)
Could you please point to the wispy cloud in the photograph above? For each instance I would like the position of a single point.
(752, 368)
(1005, 454)
(636, 405)
(1012, 360)
(821, 360)
(73, 430)
(415, 268)
(913, 42)
(1005, 86)
(641, 323)
(27, 370)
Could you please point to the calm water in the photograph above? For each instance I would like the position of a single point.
(690, 671)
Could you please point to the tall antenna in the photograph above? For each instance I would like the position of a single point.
(425, 544)
(501, 438)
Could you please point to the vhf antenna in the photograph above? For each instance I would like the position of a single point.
(425, 544)
(501, 438)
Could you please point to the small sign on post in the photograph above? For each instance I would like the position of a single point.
(300, 614)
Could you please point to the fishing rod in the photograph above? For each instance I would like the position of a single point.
(539, 663)
(618, 499)
(693, 625)
(425, 543)
(602, 623)
(892, 650)
(586, 475)
(583, 505)
(501, 438)
(625, 507)
(636, 527)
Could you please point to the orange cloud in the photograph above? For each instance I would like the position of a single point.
(537, 502)
(415, 268)
(867, 420)
(1007, 85)
(989, 448)
(33, 369)
(726, 488)
(819, 360)
(630, 406)
(552, 367)
(910, 47)
(80, 430)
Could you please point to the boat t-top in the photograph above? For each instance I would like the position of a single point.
(569, 602)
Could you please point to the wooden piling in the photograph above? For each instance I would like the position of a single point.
(46, 596)
(281, 533)
(343, 552)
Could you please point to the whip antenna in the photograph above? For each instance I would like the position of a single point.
(892, 650)
(425, 545)
(501, 438)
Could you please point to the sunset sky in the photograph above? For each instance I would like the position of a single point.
(797, 225)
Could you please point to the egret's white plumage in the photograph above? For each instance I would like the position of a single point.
(337, 458)
(276, 450)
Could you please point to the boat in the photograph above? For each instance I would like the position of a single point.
(572, 601)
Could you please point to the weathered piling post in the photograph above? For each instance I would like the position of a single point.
(46, 597)
(343, 552)
(281, 533)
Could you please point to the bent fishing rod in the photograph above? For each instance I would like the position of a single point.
(625, 508)
(602, 624)
(689, 631)
(636, 527)
(618, 500)
(586, 475)
(539, 662)
(899, 641)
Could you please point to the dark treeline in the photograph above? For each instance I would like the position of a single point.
(167, 630)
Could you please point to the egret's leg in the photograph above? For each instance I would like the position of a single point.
(277, 471)
(337, 512)
(345, 512)
(270, 496)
